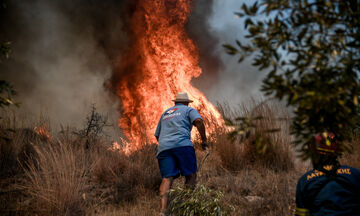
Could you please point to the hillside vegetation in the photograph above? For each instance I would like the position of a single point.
(65, 173)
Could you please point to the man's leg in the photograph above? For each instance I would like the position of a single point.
(186, 160)
(164, 192)
(190, 180)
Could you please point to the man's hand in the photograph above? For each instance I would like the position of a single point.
(204, 145)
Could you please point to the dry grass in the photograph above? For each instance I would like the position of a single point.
(57, 176)
(15, 149)
(253, 189)
(353, 159)
(56, 180)
(126, 178)
(15, 146)
(146, 205)
(244, 151)
(258, 191)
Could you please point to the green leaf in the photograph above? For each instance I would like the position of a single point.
(230, 49)
(319, 77)
(248, 21)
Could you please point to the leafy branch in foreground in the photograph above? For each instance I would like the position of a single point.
(4, 50)
(311, 52)
(198, 201)
(6, 89)
(6, 93)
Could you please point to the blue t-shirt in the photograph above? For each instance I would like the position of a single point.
(174, 127)
(317, 195)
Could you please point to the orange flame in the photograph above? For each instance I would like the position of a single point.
(161, 61)
(125, 148)
(43, 131)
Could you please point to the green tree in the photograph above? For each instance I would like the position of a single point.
(310, 50)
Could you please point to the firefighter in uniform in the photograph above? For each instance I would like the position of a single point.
(330, 188)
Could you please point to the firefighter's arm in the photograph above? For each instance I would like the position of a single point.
(199, 124)
(300, 210)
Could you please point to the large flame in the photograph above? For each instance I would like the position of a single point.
(161, 61)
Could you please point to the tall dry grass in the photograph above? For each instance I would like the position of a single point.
(126, 178)
(258, 190)
(58, 176)
(66, 179)
(56, 180)
(259, 143)
(14, 147)
(353, 158)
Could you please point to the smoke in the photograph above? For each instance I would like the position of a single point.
(200, 30)
(63, 53)
(212, 24)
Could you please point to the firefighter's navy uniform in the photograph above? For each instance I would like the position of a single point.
(316, 194)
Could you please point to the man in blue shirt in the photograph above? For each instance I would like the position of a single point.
(328, 189)
(176, 154)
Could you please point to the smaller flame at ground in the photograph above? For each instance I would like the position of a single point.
(125, 147)
(42, 131)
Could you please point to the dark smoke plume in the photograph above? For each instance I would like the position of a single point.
(200, 31)
(65, 51)
(62, 53)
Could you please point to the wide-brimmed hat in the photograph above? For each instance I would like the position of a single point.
(182, 97)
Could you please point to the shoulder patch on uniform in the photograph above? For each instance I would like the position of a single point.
(314, 174)
(344, 171)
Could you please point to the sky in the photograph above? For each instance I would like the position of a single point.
(236, 83)
(61, 57)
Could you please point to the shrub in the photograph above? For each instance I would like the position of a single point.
(145, 162)
(199, 201)
(125, 177)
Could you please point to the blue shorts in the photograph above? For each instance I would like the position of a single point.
(176, 161)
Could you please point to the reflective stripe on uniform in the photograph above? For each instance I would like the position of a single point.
(302, 212)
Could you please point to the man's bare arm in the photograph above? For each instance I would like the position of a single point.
(199, 124)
